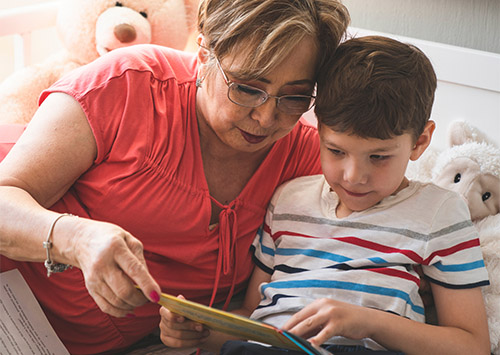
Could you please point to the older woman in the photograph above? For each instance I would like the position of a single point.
(169, 161)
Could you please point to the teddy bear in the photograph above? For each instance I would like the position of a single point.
(89, 29)
(471, 166)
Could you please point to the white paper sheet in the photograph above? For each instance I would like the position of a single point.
(24, 328)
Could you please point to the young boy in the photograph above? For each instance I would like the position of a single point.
(337, 256)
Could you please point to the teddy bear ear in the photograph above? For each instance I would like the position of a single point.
(461, 132)
(191, 13)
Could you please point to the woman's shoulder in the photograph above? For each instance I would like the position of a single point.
(304, 127)
(163, 62)
(303, 140)
(140, 61)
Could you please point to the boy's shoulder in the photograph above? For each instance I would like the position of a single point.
(429, 189)
(300, 184)
(428, 201)
(304, 189)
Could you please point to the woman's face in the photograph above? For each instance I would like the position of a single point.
(250, 130)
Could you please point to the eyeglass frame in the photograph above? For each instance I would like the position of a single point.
(230, 83)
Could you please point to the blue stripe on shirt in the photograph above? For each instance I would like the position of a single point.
(378, 260)
(263, 248)
(266, 250)
(478, 264)
(344, 285)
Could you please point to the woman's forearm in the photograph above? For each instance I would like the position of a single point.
(24, 226)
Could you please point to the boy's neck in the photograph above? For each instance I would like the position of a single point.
(342, 211)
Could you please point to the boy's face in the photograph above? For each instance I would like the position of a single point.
(363, 171)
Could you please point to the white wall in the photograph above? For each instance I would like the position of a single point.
(464, 23)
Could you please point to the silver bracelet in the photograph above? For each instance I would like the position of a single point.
(49, 264)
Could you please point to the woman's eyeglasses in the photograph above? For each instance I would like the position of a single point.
(250, 96)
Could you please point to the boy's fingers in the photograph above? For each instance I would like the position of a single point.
(320, 338)
(175, 321)
(297, 318)
(170, 317)
(181, 343)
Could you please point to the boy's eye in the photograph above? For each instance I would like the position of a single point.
(379, 157)
(457, 178)
(335, 151)
(118, 4)
(486, 196)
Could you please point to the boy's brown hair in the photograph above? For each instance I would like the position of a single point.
(376, 87)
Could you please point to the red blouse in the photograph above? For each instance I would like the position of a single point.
(148, 178)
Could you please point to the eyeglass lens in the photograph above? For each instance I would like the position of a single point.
(250, 96)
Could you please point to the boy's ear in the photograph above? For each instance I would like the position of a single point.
(423, 141)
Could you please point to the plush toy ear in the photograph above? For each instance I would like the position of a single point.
(461, 132)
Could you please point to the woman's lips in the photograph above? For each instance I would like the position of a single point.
(251, 138)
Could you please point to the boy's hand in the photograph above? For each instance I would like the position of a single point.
(325, 318)
(179, 332)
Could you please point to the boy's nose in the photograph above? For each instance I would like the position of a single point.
(355, 172)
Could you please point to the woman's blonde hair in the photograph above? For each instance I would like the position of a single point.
(266, 31)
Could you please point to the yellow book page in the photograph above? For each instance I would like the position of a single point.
(229, 323)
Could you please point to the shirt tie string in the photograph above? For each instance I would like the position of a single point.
(226, 259)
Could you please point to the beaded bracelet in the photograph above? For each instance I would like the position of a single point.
(49, 264)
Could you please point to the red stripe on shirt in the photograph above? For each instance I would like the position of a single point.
(388, 250)
(452, 250)
(397, 273)
(381, 248)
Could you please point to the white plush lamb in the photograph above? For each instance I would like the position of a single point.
(471, 166)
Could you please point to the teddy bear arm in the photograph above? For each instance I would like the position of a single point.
(20, 91)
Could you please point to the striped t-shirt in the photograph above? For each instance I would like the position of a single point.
(367, 258)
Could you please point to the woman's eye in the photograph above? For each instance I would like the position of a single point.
(248, 90)
(457, 178)
(297, 99)
(486, 196)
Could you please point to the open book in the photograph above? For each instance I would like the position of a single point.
(236, 325)
(24, 328)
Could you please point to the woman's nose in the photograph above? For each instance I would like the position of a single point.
(267, 113)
